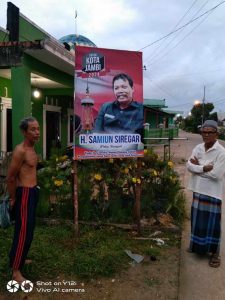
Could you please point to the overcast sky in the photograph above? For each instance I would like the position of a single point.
(177, 67)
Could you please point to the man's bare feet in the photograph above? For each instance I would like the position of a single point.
(16, 275)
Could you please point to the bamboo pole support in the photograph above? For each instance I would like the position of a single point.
(138, 198)
(75, 199)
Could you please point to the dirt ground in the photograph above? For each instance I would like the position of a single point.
(146, 280)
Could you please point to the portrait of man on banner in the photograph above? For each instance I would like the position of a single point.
(109, 103)
(124, 114)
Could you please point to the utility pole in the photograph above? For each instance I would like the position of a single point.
(203, 107)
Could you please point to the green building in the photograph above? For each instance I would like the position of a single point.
(36, 78)
(157, 115)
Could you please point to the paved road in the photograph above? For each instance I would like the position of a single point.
(198, 281)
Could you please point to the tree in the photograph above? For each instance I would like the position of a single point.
(179, 120)
(201, 113)
(213, 116)
(188, 124)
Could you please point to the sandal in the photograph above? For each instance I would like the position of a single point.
(214, 261)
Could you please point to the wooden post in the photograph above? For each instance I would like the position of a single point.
(138, 198)
(74, 169)
(75, 198)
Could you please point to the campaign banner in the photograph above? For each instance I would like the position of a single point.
(108, 103)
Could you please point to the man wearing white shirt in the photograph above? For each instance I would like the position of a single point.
(207, 168)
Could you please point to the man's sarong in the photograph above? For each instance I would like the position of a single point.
(205, 224)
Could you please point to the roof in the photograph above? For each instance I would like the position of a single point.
(157, 103)
(77, 39)
(160, 106)
(157, 111)
(173, 112)
(50, 51)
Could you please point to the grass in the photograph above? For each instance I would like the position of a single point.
(152, 281)
(55, 251)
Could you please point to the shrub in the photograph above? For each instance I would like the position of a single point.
(107, 188)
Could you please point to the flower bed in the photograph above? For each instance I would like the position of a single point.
(106, 188)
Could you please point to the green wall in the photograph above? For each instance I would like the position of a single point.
(151, 118)
(21, 98)
(37, 112)
(5, 83)
(4, 36)
(154, 120)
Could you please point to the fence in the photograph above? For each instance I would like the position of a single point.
(161, 133)
(161, 136)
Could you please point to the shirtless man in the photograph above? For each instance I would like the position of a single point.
(23, 191)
